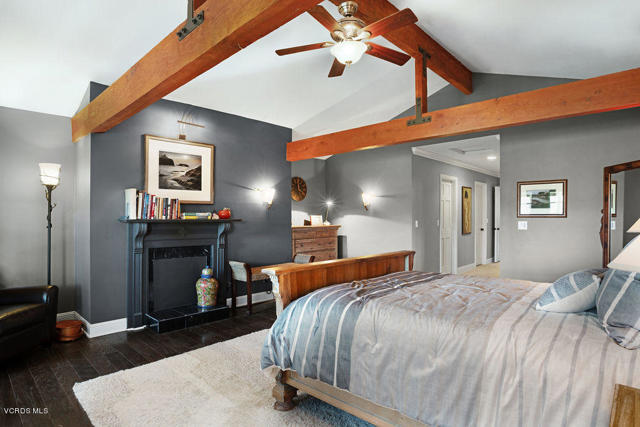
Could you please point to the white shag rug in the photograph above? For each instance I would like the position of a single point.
(217, 385)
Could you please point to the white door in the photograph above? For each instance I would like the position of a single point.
(446, 222)
(480, 223)
(496, 225)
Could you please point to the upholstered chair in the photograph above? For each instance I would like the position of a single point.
(27, 318)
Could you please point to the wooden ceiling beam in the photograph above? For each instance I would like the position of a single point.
(611, 92)
(411, 38)
(228, 27)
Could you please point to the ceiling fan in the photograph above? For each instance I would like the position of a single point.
(351, 36)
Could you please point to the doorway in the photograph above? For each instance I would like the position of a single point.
(480, 222)
(447, 223)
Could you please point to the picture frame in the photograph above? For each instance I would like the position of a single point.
(614, 198)
(542, 199)
(467, 205)
(316, 220)
(180, 169)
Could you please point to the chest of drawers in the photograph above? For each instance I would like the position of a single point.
(320, 241)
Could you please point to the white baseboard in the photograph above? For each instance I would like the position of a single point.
(93, 330)
(465, 268)
(256, 298)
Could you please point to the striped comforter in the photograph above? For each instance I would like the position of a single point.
(454, 350)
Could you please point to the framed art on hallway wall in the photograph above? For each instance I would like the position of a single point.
(542, 199)
(179, 169)
(467, 200)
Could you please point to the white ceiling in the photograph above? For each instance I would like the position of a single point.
(481, 154)
(50, 50)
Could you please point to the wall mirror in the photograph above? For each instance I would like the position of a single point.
(621, 207)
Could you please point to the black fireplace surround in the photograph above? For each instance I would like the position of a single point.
(163, 263)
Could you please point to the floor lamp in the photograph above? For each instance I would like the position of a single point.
(50, 178)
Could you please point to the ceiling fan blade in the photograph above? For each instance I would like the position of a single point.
(290, 50)
(337, 69)
(387, 54)
(322, 16)
(391, 22)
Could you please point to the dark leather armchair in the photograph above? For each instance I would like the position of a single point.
(27, 318)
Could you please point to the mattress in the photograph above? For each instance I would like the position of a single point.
(454, 350)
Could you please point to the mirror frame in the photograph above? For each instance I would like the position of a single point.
(605, 223)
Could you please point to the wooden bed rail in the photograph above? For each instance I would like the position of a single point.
(291, 282)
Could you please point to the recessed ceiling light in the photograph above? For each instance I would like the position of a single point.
(491, 157)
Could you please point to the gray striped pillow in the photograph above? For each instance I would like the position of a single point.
(572, 293)
(618, 303)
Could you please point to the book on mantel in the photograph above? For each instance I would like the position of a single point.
(197, 215)
(142, 205)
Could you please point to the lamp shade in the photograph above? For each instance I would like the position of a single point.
(349, 51)
(635, 228)
(629, 258)
(49, 173)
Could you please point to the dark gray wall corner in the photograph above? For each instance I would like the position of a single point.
(249, 154)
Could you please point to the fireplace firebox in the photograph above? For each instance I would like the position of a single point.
(164, 261)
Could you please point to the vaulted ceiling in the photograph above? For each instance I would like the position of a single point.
(49, 51)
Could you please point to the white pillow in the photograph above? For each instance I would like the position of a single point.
(573, 293)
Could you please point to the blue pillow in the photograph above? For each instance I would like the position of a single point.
(618, 303)
(573, 293)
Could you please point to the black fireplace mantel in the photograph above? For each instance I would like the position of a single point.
(144, 235)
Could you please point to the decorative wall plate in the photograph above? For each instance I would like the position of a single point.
(298, 189)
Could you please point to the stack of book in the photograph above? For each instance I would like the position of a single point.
(141, 205)
(197, 215)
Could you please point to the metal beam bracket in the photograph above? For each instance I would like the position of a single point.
(420, 119)
(192, 21)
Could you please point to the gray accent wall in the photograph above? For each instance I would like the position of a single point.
(26, 139)
(248, 154)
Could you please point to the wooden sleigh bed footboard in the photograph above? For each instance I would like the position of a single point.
(291, 282)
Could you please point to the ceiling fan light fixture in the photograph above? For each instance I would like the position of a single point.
(349, 52)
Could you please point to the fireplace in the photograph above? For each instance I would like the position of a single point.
(165, 258)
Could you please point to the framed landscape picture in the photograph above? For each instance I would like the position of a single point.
(542, 199)
(179, 169)
(466, 210)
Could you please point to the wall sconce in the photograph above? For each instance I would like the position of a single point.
(266, 195)
(367, 198)
(328, 203)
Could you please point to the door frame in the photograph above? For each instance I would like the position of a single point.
(482, 257)
(454, 222)
(497, 207)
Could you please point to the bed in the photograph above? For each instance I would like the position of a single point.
(395, 346)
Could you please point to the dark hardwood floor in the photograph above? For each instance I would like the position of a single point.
(42, 381)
